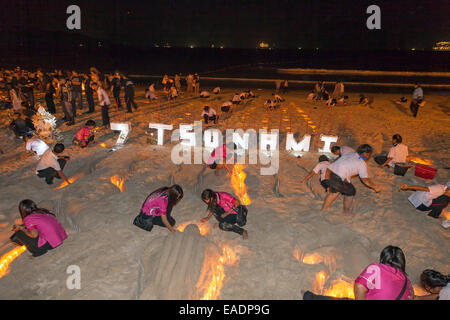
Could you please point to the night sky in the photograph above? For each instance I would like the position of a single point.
(332, 24)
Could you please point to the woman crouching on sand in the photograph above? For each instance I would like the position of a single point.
(157, 208)
(228, 211)
(386, 280)
(40, 230)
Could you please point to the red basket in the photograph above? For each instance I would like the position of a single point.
(424, 172)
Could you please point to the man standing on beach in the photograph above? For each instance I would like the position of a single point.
(189, 80)
(277, 85)
(416, 99)
(340, 173)
(104, 102)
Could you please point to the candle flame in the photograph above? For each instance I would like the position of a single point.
(103, 145)
(118, 182)
(237, 181)
(9, 257)
(71, 180)
(421, 161)
(312, 258)
(202, 227)
(341, 288)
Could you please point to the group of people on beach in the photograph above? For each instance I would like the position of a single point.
(40, 230)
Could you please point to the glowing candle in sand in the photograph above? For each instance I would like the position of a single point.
(237, 182)
(71, 180)
(118, 182)
(9, 257)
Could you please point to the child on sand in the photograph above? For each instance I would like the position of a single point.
(36, 145)
(85, 135)
(204, 94)
(40, 230)
(219, 157)
(321, 167)
(397, 154)
(51, 164)
(228, 211)
(209, 114)
(157, 208)
(216, 90)
(340, 173)
(226, 106)
(236, 98)
(434, 198)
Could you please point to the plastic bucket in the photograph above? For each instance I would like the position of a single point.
(425, 172)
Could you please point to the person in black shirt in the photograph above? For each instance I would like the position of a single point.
(129, 94)
(27, 85)
(20, 125)
(49, 92)
(77, 92)
(116, 84)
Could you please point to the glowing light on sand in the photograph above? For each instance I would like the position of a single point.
(118, 182)
(213, 269)
(421, 161)
(446, 215)
(319, 282)
(103, 145)
(312, 258)
(419, 291)
(297, 254)
(71, 180)
(202, 227)
(9, 257)
(341, 288)
(237, 182)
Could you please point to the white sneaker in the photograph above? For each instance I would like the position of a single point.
(446, 224)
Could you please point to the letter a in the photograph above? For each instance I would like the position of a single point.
(74, 20)
(374, 21)
(74, 280)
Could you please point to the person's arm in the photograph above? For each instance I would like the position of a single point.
(360, 291)
(309, 176)
(405, 187)
(370, 184)
(207, 217)
(386, 162)
(235, 205)
(33, 233)
(167, 224)
(63, 176)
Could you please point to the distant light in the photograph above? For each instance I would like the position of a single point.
(263, 45)
(191, 46)
(157, 46)
(81, 45)
(99, 43)
(221, 47)
(413, 49)
(212, 46)
(317, 48)
(299, 48)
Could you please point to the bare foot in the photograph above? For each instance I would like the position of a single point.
(245, 234)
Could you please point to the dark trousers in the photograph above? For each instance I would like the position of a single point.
(117, 99)
(213, 118)
(311, 296)
(414, 107)
(232, 222)
(130, 102)
(158, 221)
(22, 239)
(338, 186)
(76, 96)
(50, 105)
(324, 184)
(30, 97)
(49, 173)
(90, 101)
(437, 205)
(105, 115)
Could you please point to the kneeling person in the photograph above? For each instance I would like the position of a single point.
(51, 164)
(434, 198)
(85, 135)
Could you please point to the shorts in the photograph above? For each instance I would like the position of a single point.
(338, 186)
(324, 184)
(235, 102)
(213, 165)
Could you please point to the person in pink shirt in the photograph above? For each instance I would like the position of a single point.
(85, 135)
(40, 230)
(386, 280)
(219, 157)
(227, 210)
(157, 208)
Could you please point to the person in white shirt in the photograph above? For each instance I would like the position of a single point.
(104, 102)
(236, 98)
(36, 145)
(321, 167)
(340, 173)
(269, 104)
(243, 95)
(436, 283)
(50, 165)
(251, 94)
(150, 92)
(209, 114)
(216, 90)
(204, 94)
(397, 154)
(277, 98)
(434, 198)
(226, 106)
(173, 93)
(340, 151)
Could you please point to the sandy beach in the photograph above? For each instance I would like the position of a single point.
(285, 225)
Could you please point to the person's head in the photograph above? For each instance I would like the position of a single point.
(206, 108)
(175, 195)
(336, 150)
(416, 85)
(74, 73)
(323, 158)
(90, 123)
(433, 281)
(26, 207)
(209, 196)
(58, 148)
(28, 135)
(396, 139)
(394, 257)
(365, 151)
(94, 85)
